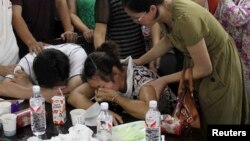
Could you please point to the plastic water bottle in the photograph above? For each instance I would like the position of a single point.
(37, 112)
(153, 122)
(104, 124)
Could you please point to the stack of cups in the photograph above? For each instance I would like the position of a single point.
(8, 120)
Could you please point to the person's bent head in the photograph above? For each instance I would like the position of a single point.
(99, 66)
(51, 68)
(140, 5)
(145, 12)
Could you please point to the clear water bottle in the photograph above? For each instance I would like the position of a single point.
(37, 112)
(153, 122)
(104, 124)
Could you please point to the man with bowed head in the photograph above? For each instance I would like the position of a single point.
(56, 66)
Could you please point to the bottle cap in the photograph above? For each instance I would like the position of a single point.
(152, 103)
(36, 88)
(104, 106)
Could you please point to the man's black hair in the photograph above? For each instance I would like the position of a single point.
(51, 68)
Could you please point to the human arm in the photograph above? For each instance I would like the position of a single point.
(81, 98)
(21, 87)
(5, 70)
(8, 88)
(23, 31)
(202, 67)
(99, 34)
(102, 13)
(78, 23)
(155, 36)
(236, 14)
(146, 94)
(63, 11)
(163, 46)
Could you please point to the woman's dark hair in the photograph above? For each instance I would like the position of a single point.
(51, 67)
(140, 5)
(101, 62)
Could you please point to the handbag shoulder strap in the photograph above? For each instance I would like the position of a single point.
(190, 81)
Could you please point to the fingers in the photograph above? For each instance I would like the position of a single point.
(62, 90)
(158, 60)
(115, 122)
(104, 94)
(117, 119)
(6, 70)
(36, 47)
(152, 66)
(18, 72)
(88, 35)
(69, 36)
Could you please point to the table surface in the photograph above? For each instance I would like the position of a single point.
(53, 130)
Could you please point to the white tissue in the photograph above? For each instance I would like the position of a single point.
(78, 132)
(92, 114)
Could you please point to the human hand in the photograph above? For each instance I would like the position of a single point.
(154, 65)
(22, 78)
(137, 61)
(104, 94)
(36, 47)
(63, 90)
(48, 93)
(5, 70)
(88, 35)
(69, 36)
(117, 119)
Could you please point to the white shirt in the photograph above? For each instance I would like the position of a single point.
(76, 54)
(8, 44)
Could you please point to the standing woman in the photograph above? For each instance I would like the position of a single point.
(208, 50)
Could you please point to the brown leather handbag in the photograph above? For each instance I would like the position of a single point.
(186, 107)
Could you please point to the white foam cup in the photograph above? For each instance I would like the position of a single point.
(9, 124)
(77, 116)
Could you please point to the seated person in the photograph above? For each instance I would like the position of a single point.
(121, 82)
(55, 67)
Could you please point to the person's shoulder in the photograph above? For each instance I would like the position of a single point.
(29, 57)
(187, 7)
(68, 48)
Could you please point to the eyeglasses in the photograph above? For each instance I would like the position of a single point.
(140, 18)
